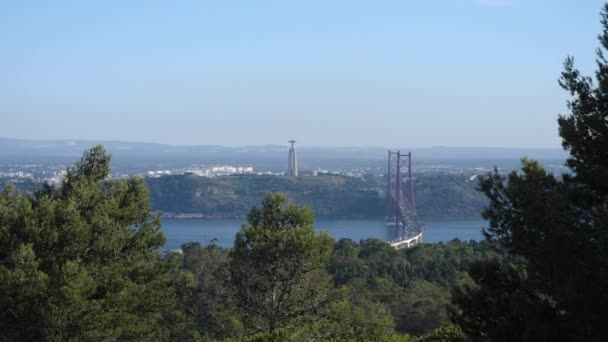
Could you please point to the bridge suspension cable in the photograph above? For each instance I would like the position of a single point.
(400, 202)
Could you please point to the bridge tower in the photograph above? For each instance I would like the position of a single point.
(400, 202)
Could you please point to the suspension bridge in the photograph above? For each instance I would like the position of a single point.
(400, 202)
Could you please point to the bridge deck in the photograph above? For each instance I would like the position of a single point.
(407, 242)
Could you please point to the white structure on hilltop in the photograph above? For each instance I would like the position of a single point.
(221, 170)
(292, 167)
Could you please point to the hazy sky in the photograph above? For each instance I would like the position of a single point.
(325, 72)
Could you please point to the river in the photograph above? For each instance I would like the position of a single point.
(180, 231)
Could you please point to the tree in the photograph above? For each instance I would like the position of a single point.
(549, 281)
(348, 320)
(211, 302)
(423, 308)
(446, 333)
(80, 262)
(278, 265)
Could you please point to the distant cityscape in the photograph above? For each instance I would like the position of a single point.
(53, 171)
(54, 174)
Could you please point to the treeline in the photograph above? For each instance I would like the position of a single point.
(375, 293)
(329, 195)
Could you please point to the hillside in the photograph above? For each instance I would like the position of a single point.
(450, 196)
(233, 196)
(329, 196)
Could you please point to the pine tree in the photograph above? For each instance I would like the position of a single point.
(278, 265)
(80, 261)
(550, 279)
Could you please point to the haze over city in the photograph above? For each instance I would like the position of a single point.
(329, 73)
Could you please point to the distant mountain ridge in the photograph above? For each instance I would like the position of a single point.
(70, 148)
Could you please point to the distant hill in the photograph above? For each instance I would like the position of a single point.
(234, 196)
(130, 154)
(329, 196)
(189, 195)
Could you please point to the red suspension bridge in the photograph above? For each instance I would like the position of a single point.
(400, 203)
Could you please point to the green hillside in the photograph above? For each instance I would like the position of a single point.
(329, 196)
(232, 196)
(448, 196)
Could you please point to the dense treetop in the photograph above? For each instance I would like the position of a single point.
(550, 278)
(79, 261)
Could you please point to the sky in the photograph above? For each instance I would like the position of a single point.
(326, 73)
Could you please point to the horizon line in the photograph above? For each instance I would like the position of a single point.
(102, 141)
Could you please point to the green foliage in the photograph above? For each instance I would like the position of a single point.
(446, 333)
(444, 264)
(27, 186)
(328, 196)
(376, 289)
(399, 338)
(423, 307)
(413, 284)
(447, 196)
(234, 196)
(277, 265)
(550, 277)
(359, 320)
(501, 303)
(79, 262)
(211, 302)
(277, 335)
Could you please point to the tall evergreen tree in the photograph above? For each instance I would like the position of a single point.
(278, 265)
(80, 262)
(552, 234)
(211, 302)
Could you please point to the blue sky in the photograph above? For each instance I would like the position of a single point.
(327, 73)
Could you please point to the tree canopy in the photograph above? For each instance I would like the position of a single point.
(549, 280)
(79, 261)
(278, 264)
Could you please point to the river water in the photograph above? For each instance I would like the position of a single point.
(180, 231)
